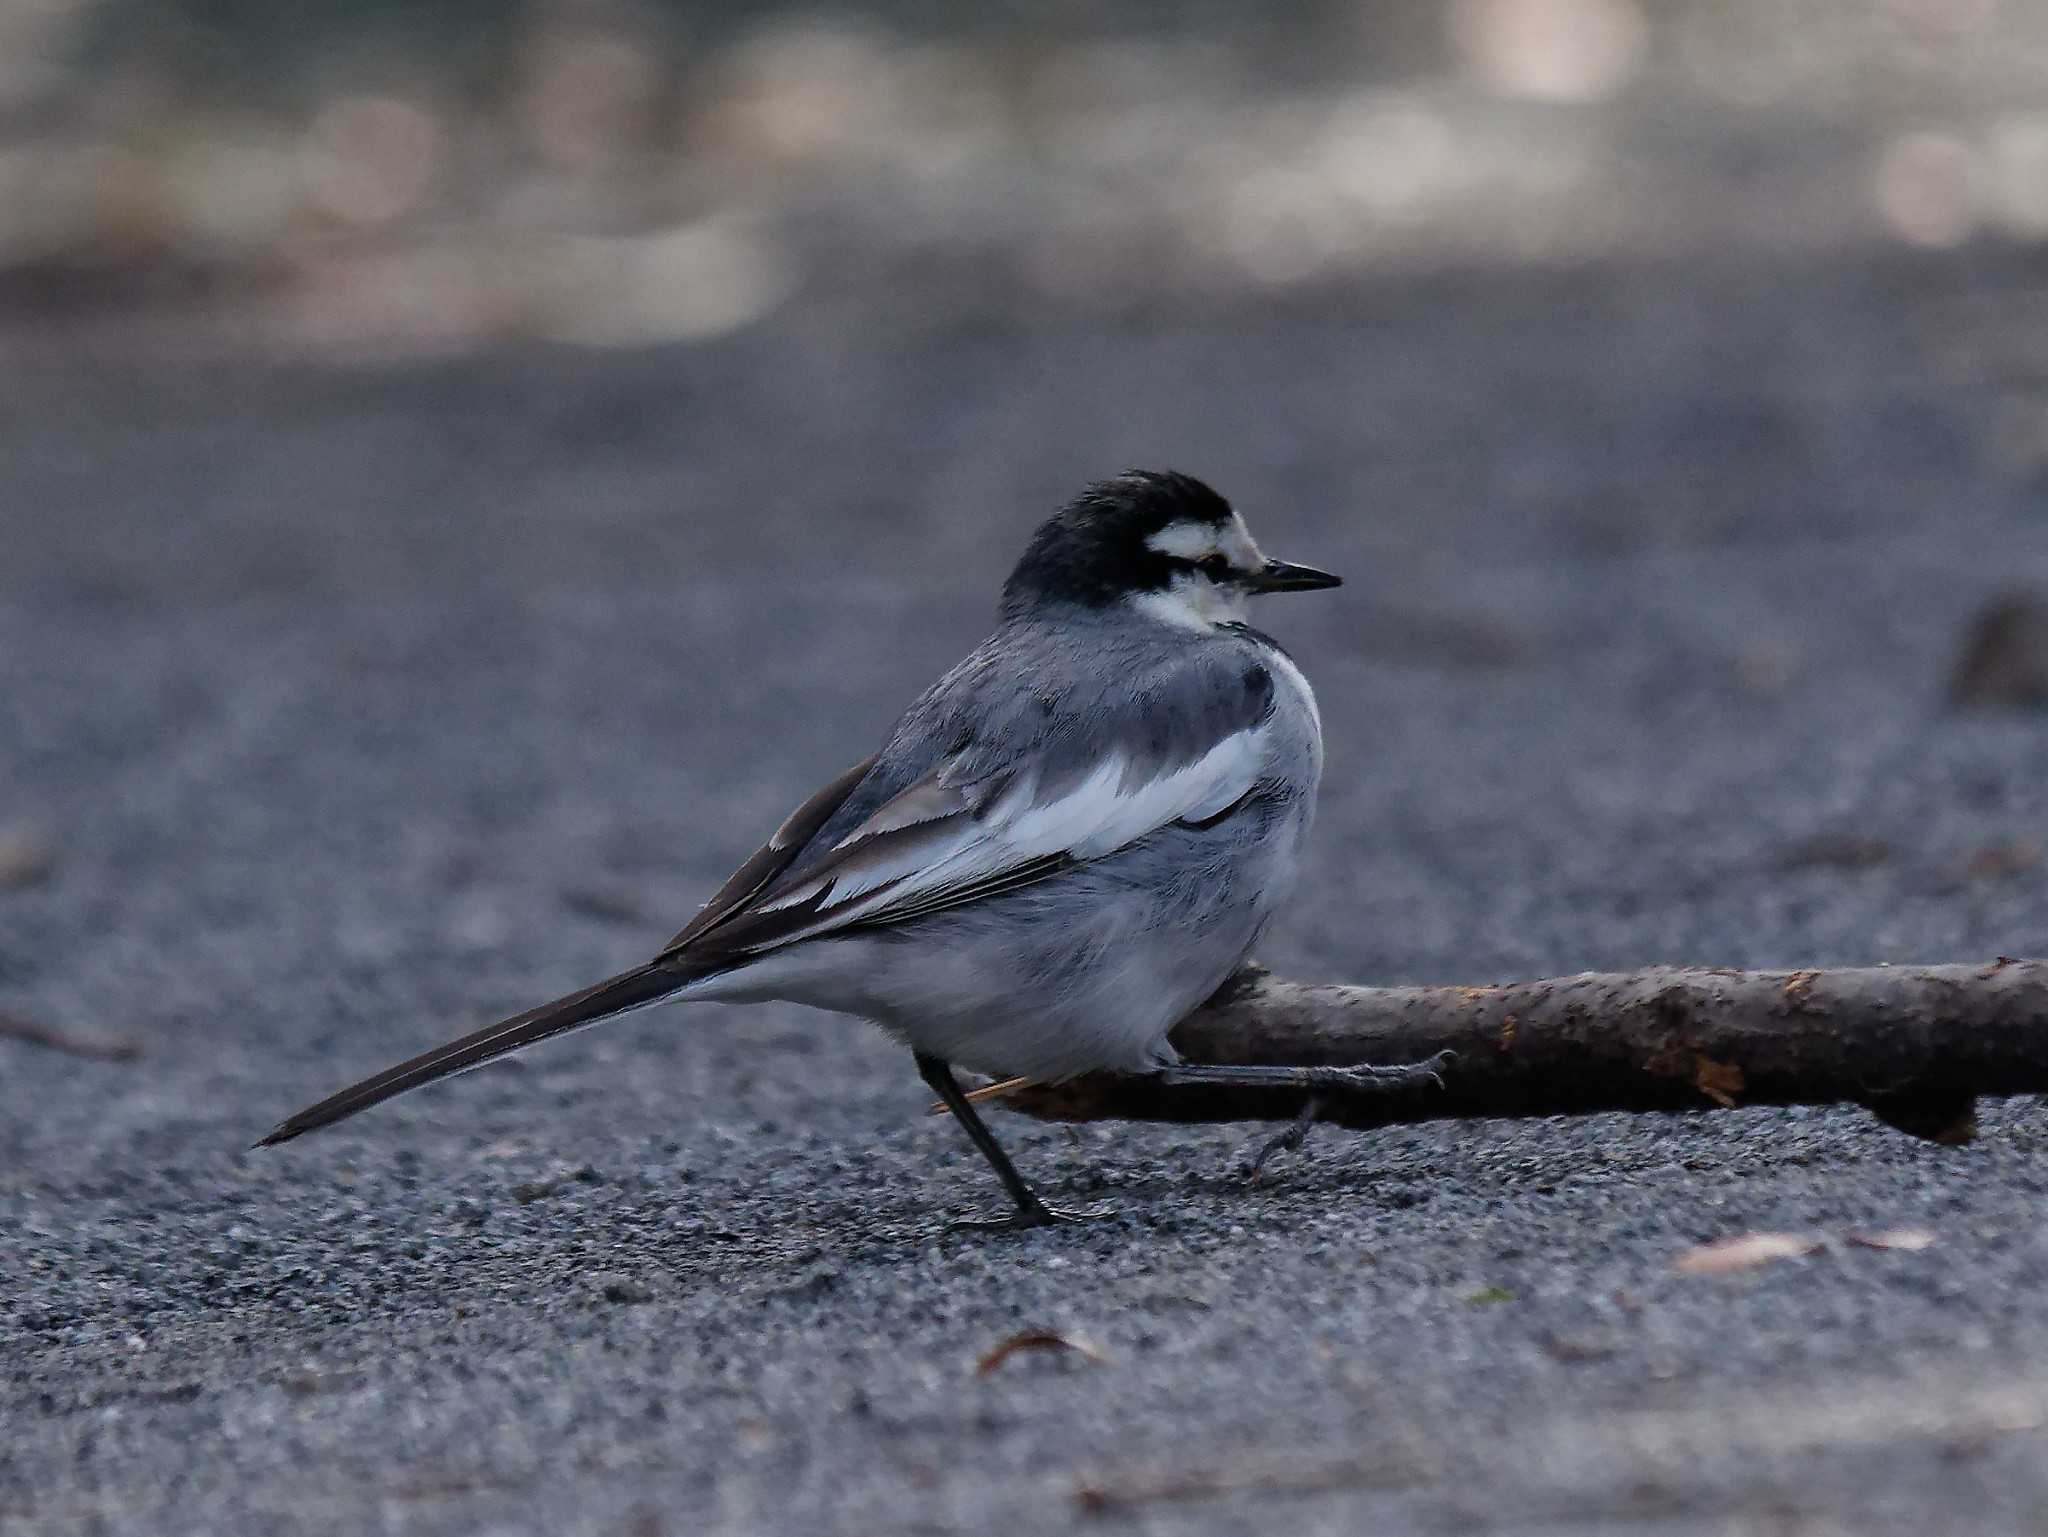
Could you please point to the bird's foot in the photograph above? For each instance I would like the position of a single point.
(1288, 1141)
(1033, 1214)
(1367, 1079)
(1362, 1079)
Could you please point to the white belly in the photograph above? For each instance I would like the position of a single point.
(1087, 970)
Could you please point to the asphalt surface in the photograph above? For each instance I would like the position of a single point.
(351, 709)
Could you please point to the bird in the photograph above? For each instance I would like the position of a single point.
(1063, 847)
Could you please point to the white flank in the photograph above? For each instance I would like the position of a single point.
(1288, 675)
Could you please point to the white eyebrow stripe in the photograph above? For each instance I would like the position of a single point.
(1185, 540)
(1238, 544)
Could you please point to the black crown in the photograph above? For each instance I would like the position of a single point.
(1093, 551)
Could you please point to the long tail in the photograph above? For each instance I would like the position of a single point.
(628, 990)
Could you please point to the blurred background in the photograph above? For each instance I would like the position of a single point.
(328, 178)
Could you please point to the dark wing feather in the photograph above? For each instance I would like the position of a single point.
(771, 859)
(1009, 880)
(752, 932)
(904, 822)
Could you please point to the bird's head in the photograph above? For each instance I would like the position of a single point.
(1158, 540)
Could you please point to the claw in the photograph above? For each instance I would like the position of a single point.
(1366, 1078)
(1363, 1078)
(1431, 1069)
(1288, 1141)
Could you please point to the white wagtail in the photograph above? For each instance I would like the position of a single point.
(1066, 844)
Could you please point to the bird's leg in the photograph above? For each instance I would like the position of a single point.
(1031, 1211)
(1362, 1079)
(1319, 1082)
(1288, 1141)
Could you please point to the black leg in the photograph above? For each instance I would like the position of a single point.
(1320, 1082)
(1031, 1211)
(1288, 1141)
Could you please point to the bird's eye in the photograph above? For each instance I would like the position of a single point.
(1214, 567)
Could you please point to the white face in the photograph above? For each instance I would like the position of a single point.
(1203, 599)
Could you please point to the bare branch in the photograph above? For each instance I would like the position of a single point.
(1916, 1045)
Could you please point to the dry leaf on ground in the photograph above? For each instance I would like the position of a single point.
(1036, 1339)
(1751, 1249)
(99, 1048)
(26, 857)
(1741, 1253)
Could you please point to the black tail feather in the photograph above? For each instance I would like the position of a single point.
(629, 990)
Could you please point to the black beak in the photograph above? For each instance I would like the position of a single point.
(1279, 576)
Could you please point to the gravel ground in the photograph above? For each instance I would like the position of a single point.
(349, 709)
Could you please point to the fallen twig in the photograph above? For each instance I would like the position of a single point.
(994, 1090)
(1915, 1044)
(99, 1048)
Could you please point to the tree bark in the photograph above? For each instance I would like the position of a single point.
(1916, 1045)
